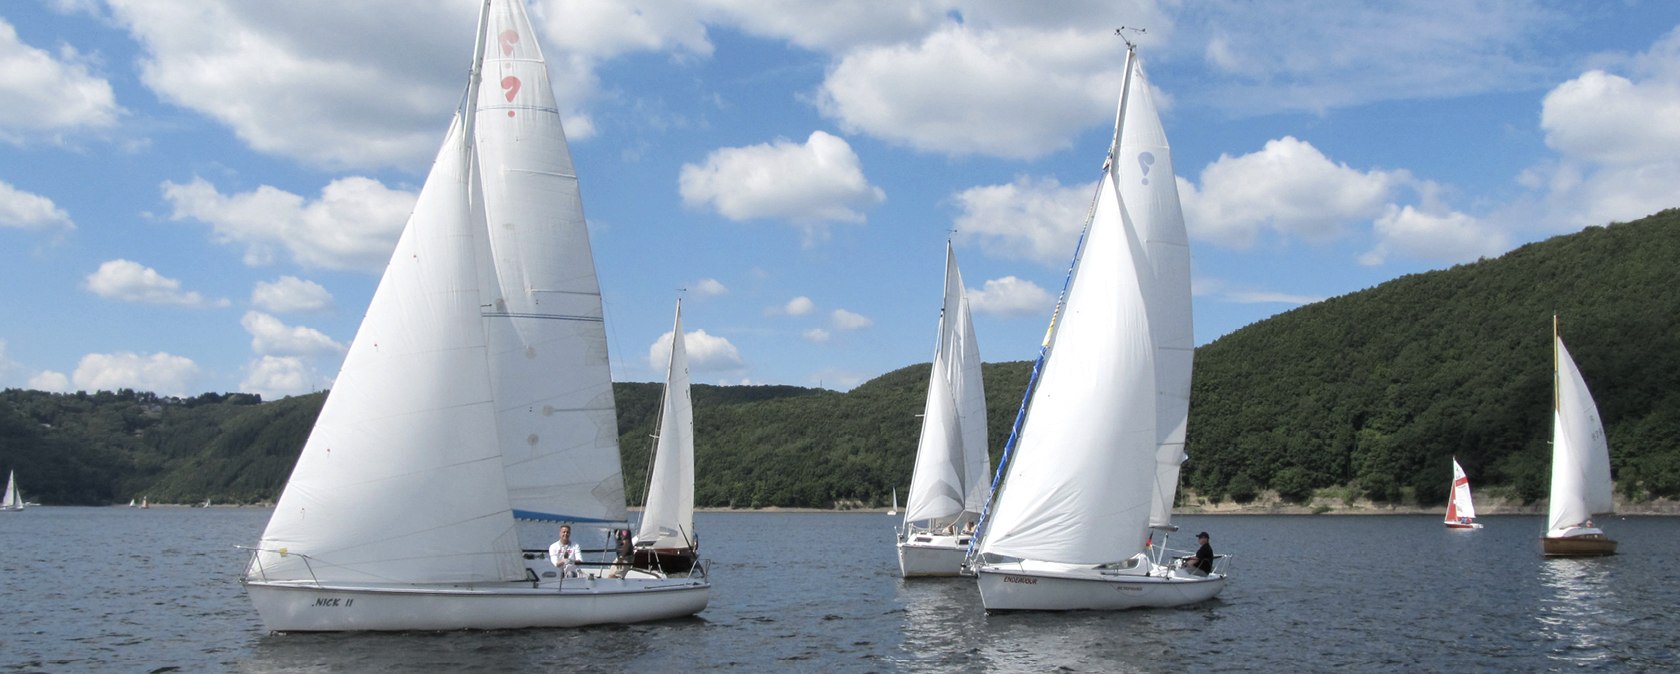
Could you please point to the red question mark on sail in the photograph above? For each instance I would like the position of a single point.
(510, 84)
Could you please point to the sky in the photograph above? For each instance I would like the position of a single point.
(201, 196)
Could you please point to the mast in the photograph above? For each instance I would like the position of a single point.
(475, 75)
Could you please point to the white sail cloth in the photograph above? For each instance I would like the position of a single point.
(952, 464)
(1580, 453)
(477, 387)
(668, 517)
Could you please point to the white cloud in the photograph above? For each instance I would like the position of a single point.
(833, 26)
(44, 98)
(1014, 93)
(160, 373)
(290, 294)
(846, 320)
(708, 287)
(816, 335)
(706, 353)
(129, 281)
(1037, 220)
(1011, 296)
(315, 82)
(270, 337)
(798, 306)
(1450, 237)
(809, 185)
(1288, 188)
(274, 377)
(48, 380)
(1618, 137)
(24, 210)
(602, 29)
(353, 225)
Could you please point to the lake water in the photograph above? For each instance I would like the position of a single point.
(119, 589)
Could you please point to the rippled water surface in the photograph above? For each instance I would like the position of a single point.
(119, 589)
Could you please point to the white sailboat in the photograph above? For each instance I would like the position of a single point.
(894, 510)
(1580, 465)
(131, 503)
(474, 409)
(666, 539)
(13, 501)
(1100, 433)
(1461, 510)
(948, 487)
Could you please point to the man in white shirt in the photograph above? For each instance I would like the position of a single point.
(564, 554)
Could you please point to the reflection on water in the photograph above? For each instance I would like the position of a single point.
(821, 592)
(1574, 613)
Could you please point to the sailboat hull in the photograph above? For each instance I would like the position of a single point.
(1587, 545)
(1464, 526)
(309, 607)
(1042, 586)
(932, 555)
(666, 560)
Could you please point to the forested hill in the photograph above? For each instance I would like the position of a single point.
(1379, 389)
(1371, 392)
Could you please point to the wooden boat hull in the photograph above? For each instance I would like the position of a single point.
(1030, 586)
(667, 560)
(303, 606)
(1588, 545)
(1463, 526)
(931, 555)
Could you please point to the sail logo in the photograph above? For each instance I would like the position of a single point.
(1024, 580)
(1146, 160)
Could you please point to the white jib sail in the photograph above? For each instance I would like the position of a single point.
(952, 461)
(668, 518)
(542, 302)
(1462, 505)
(1143, 170)
(401, 479)
(1580, 452)
(1080, 486)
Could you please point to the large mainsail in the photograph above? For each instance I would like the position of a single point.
(668, 518)
(542, 303)
(950, 476)
(1081, 485)
(1580, 452)
(1142, 168)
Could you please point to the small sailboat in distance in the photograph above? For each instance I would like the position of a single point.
(13, 501)
(1461, 511)
(894, 510)
(948, 487)
(666, 540)
(1580, 465)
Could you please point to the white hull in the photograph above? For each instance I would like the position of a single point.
(925, 555)
(308, 607)
(1045, 586)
